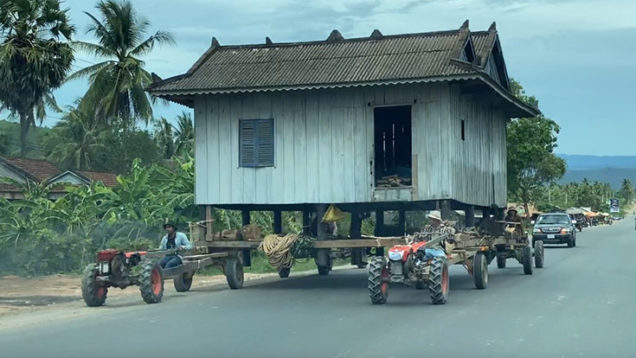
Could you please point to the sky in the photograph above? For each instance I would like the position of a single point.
(578, 57)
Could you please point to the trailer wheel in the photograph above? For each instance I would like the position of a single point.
(283, 272)
(438, 281)
(151, 282)
(526, 260)
(420, 285)
(183, 282)
(234, 273)
(94, 295)
(378, 280)
(480, 271)
(501, 261)
(323, 257)
(538, 254)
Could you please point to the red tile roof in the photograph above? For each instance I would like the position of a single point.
(35, 169)
(108, 179)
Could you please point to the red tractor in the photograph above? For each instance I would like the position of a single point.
(413, 265)
(120, 269)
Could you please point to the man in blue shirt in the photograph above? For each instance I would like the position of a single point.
(173, 240)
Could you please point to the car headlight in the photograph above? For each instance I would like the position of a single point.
(536, 230)
(565, 230)
(396, 255)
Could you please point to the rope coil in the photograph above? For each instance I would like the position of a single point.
(279, 250)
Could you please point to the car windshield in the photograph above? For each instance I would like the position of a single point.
(553, 219)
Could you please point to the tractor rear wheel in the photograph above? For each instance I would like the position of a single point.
(526, 260)
(501, 261)
(283, 272)
(378, 280)
(480, 271)
(234, 273)
(183, 282)
(438, 281)
(94, 295)
(151, 282)
(538, 254)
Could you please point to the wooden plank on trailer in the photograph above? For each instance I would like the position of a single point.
(233, 244)
(338, 244)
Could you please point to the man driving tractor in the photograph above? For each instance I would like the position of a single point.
(513, 217)
(173, 240)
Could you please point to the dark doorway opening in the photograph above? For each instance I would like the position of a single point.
(392, 131)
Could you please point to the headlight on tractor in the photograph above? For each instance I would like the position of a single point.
(395, 255)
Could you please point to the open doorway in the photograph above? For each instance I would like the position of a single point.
(392, 127)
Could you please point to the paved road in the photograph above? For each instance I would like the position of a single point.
(579, 305)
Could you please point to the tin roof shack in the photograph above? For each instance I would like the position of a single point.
(400, 122)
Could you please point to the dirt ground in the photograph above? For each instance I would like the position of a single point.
(19, 294)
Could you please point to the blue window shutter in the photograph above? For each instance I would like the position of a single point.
(256, 141)
(265, 142)
(247, 142)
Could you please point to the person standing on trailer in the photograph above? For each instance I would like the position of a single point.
(173, 240)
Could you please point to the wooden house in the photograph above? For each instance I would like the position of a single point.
(398, 122)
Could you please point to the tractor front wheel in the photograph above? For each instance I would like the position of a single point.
(94, 295)
(151, 282)
(538, 254)
(526, 260)
(378, 280)
(234, 273)
(438, 281)
(183, 282)
(480, 271)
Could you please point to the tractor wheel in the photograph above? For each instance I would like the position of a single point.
(480, 271)
(378, 280)
(234, 273)
(151, 282)
(94, 295)
(501, 261)
(538, 254)
(283, 272)
(438, 281)
(183, 282)
(526, 260)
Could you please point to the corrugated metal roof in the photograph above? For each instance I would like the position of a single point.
(361, 60)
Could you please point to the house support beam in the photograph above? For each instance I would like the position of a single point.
(470, 216)
(445, 209)
(278, 222)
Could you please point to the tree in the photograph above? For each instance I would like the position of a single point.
(184, 134)
(116, 85)
(531, 159)
(75, 141)
(165, 138)
(626, 192)
(35, 58)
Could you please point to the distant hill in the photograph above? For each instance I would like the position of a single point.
(609, 169)
(34, 139)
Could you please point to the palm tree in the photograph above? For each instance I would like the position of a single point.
(165, 138)
(116, 85)
(34, 58)
(184, 134)
(75, 141)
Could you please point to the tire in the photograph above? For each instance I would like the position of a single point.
(283, 272)
(151, 282)
(234, 273)
(183, 282)
(480, 271)
(323, 270)
(362, 265)
(94, 295)
(570, 242)
(526, 260)
(501, 262)
(419, 285)
(574, 242)
(378, 280)
(538, 254)
(438, 281)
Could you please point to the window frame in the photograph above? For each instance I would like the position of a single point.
(257, 144)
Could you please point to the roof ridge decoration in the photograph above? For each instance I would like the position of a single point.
(335, 36)
(376, 35)
(464, 36)
(268, 41)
